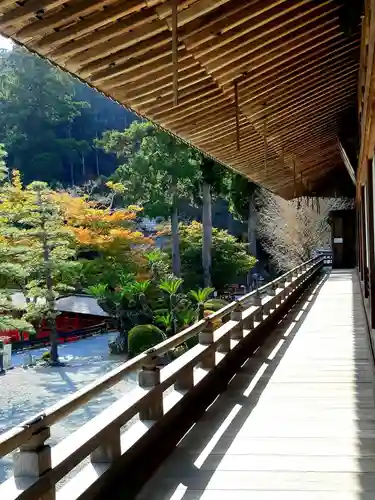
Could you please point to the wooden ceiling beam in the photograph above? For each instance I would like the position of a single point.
(256, 12)
(264, 39)
(96, 25)
(311, 99)
(322, 54)
(279, 53)
(317, 84)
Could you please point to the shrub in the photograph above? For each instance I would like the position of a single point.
(216, 322)
(215, 304)
(46, 356)
(230, 259)
(142, 337)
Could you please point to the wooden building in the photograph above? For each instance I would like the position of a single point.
(282, 91)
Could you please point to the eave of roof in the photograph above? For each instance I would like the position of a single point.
(261, 83)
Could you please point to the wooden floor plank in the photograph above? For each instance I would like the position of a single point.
(297, 422)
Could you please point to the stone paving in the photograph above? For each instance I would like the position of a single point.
(25, 392)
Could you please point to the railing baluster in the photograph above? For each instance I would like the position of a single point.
(149, 377)
(237, 331)
(110, 450)
(256, 300)
(185, 380)
(34, 459)
(206, 337)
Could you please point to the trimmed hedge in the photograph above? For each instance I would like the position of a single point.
(142, 337)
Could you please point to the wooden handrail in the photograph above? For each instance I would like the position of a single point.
(146, 400)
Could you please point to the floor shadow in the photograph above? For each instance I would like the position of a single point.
(186, 474)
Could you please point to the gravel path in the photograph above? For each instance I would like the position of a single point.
(25, 392)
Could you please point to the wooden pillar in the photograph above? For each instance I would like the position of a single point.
(371, 242)
(359, 236)
(364, 242)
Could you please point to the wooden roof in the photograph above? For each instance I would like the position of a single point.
(257, 84)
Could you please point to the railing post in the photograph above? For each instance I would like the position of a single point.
(237, 331)
(206, 338)
(256, 301)
(281, 284)
(185, 380)
(110, 450)
(34, 458)
(149, 377)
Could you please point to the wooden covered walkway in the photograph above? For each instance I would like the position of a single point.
(297, 422)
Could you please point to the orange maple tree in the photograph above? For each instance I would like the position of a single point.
(110, 233)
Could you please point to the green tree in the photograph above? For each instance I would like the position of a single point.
(230, 259)
(158, 171)
(127, 304)
(36, 99)
(49, 121)
(212, 182)
(52, 256)
(36, 252)
(171, 288)
(199, 297)
(243, 202)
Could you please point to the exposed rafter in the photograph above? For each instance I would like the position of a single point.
(204, 70)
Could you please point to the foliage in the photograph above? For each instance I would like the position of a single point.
(290, 231)
(186, 317)
(158, 264)
(215, 304)
(165, 321)
(241, 191)
(199, 297)
(171, 288)
(158, 171)
(11, 317)
(108, 243)
(143, 337)
(36, 250)
(154, 162)
(49, 121)
(229, 257)
(127, 304)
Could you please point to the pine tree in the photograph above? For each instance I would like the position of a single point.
(36, 254)
(52, 254)
(11, 271)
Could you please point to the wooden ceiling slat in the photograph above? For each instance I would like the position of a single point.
(262, 40)
(27, 11)
(247, 33)
(289, 58)
(305, 82)
(80, 8)
(229, 23)
(66, 36)
(284, 51)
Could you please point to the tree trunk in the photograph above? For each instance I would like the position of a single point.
(71, 163)
(176, 260)
(51, 303)
(207, 234)
(251, 238)
(50, 295)
(83, 162)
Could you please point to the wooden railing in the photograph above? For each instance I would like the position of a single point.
(327, 254)
(37, 467)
